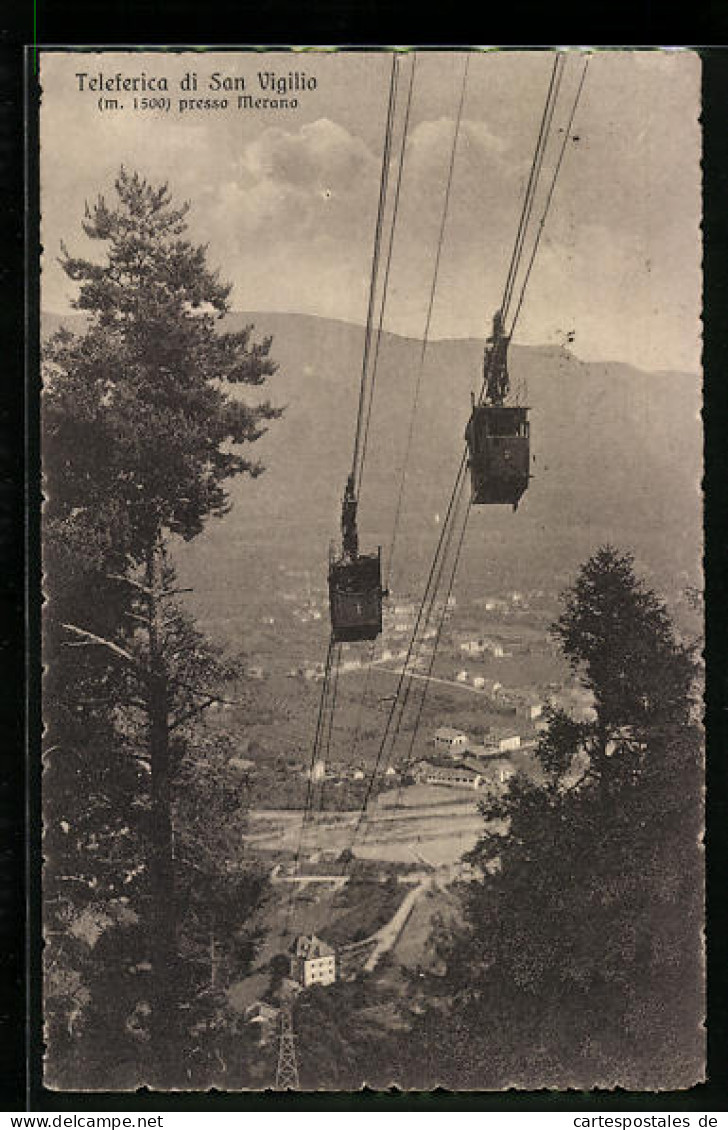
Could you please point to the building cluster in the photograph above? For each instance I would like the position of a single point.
(308, 614)
(339, 771)
(308, 608)
(481, 647)
(459, 762)
(521, 702)
(310, 670)
(464, 772)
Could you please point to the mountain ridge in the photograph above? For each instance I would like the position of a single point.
(52, 320)
(617, 457)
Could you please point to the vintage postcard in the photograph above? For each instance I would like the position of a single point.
(372, 556)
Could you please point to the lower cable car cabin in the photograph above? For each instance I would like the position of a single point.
(498, 454)
(355, 597)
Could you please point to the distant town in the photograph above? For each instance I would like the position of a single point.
(366, 890)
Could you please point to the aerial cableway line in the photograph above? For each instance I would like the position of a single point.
(498, 434)
(526, 278)
(355, 591)
(495, 386)
(346, 587)
(355, 579)
(428, 319)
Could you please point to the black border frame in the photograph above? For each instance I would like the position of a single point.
(19, 803)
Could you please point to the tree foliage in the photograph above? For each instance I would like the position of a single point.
(142, 400)
(146, 415)
(578, 958)
(340, 1033)
(618, 638)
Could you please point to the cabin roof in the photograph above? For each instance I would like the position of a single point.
(308, 946)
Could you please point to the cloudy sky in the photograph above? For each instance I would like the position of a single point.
(286, 199)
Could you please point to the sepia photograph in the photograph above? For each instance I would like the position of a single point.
(372, 554)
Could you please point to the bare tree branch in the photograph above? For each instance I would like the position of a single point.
(94, 639)
(135, 584)
(136, 616)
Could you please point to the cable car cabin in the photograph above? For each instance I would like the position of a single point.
(498, 454)
(355, 597)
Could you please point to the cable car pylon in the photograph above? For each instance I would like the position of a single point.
(287, 1069)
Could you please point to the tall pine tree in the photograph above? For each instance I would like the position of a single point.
(578, 959)
(144, 419)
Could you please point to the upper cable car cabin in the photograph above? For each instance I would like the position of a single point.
(355, 597)
(498, 454)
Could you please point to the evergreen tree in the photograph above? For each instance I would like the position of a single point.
(577, 962)
(144, 422)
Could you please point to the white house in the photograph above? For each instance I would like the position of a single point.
(472, 647)
(446, 738)
(479, 683)
(503, 742)
(312, 961)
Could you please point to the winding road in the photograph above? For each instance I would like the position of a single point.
(386, 936)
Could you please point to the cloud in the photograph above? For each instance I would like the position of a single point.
(317, 155)
(288, 205)
(312, 182)
(432, 139)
